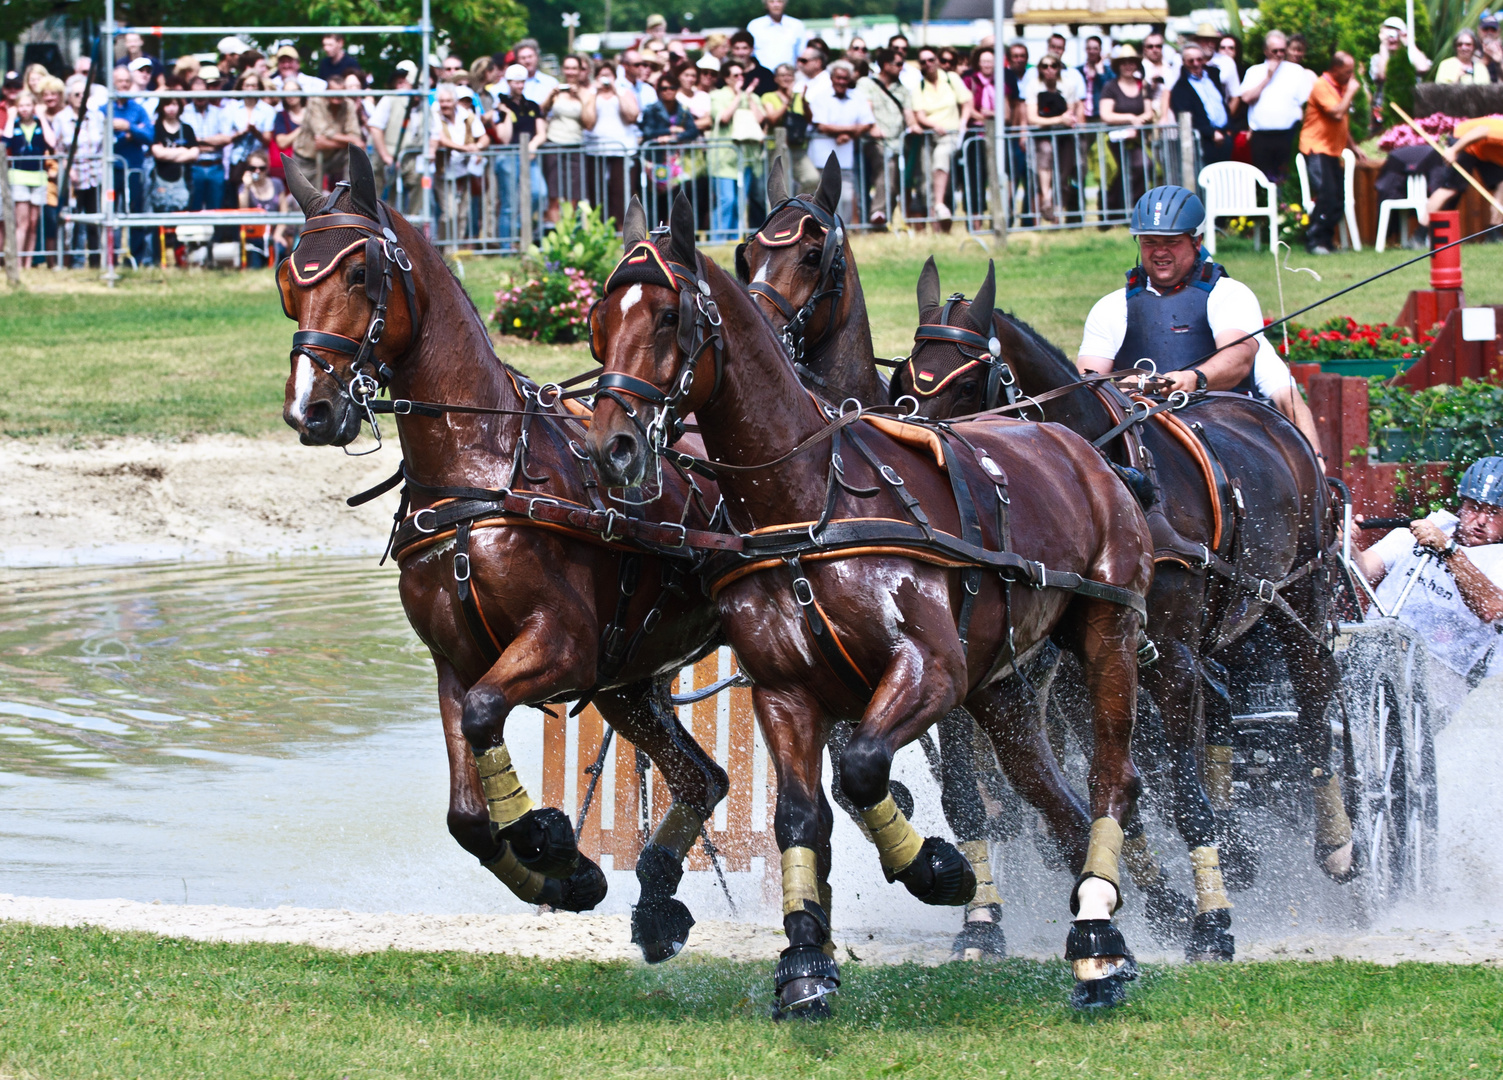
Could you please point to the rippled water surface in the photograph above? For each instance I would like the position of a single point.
(254, 733)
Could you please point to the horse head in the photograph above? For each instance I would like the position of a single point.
(956, 366)
(656, 332)
(349, 285)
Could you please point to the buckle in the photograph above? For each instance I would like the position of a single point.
(891, 477)
(1271, 588)
(683, 534)
(401, 406)
(608, 533)
(417, 522)
(461, 559)
(378, 324)
(803, 592)
(557, 392)
(532, 503)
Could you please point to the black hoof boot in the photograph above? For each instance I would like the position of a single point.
(1092, 939)
(804, 981)
(1209, 941)
(981, 941)
(580, 891)
(940, 875)
(659, 923)
(1170, 913)
(544, 842)
(1239, 859)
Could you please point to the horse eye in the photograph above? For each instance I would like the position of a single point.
(357, 275)
(811, 257)
(670, 318)
(968, 389)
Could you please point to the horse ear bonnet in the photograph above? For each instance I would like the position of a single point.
(320, 250)
(642, 265)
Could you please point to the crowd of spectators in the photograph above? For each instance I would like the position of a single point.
(598, 125)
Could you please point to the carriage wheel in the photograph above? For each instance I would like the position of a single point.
(1393, 780)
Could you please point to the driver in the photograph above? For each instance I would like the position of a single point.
(1178, 306)
(1456, 602)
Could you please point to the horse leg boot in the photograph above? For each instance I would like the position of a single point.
(1316, 682)
(1107, 637)
(806, 974)
(644, 716)
(909, 698)
(1239, 852)
(542, 839)
(1175, 685)
(470, 823)
(981, 936)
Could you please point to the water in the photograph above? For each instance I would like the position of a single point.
(247, 734)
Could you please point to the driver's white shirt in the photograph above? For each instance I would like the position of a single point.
(1231, 306)
(1434, 607)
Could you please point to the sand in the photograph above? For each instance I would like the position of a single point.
(213, 497)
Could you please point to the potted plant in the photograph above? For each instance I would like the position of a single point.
(1343, 346)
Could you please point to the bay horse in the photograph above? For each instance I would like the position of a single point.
(884, 574)
(800, 267)
(1240, 515)
(513, 572)
(829, 339)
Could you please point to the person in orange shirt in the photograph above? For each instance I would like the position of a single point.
(1326, 132)
(1478, 147)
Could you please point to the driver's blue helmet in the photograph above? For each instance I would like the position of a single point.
(1168, 211)
(1483, 481)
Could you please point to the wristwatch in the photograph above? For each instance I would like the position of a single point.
(1200, 381)
(1446, 553)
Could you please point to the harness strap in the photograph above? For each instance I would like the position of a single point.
(318, 339)
(469, 603)
(767, 292)
(825, 639)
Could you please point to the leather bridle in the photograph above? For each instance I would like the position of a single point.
(829, 286)
(698, 333)
(383, 255)
(976, 349)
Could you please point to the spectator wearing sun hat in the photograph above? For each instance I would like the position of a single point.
(290, 66)
(230, 49)
(140, 79)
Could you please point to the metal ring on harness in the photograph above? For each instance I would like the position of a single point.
(461, 559)
(803, 592)
(417, 521)
(913, 409)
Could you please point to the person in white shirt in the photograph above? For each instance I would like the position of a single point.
(290, 66)
(1071, 81)
(779, 37)
(1161, 65)
(1275, 93)
(812, 78)
(539, 84)
(1225, 62)
(1455, 602)
(838, 119)
(140, 79)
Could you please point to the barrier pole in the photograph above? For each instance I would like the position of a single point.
(8, 212)
(524, 196)
(107, 181)
(1001, 183)
(427, 83)
(1186, 152)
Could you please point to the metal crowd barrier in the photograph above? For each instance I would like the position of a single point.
(501, 199)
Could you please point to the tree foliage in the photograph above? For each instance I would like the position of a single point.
(1398, 88)
(1328, 27)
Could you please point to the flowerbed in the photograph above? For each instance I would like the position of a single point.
(561, 279)
(1346, 339)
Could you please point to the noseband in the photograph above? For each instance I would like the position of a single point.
(829, 286)
(971, 345)
(383, 253)
(698, 332)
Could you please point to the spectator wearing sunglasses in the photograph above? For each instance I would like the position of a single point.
(1071, 80)
(1224, 60)
(1275, 93)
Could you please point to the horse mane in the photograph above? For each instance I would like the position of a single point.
(1054, 351)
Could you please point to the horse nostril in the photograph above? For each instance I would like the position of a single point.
(317, 417)
(621, 451)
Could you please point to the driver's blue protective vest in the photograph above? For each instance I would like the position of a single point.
(1171, 328)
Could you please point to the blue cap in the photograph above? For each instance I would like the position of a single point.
(1168, 211)
(1483, 482)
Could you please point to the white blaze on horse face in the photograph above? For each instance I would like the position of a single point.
(630, 299)
(761, 274)
(302, 387)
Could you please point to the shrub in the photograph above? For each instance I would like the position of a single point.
(1347, 339)
(1455, 424)
(585, 240)
(1398, 87)
(1328, 27)
(552, 307)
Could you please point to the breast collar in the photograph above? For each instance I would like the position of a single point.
(829, 285)
(973, 348)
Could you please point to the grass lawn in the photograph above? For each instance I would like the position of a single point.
(80, 1002)
(169, 354)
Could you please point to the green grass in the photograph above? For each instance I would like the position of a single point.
(84, 1003)
(170, 354)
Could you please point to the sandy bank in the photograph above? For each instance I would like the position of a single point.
(213, 497)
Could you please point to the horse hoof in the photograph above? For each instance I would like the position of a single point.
(981, 941)
(804, 981)
(580, 891)
(1170, 914)
(1102, 963)
(1209, 941)
(660, 927)
(1341, 864)
(1105, 993)
(544, 842)
(1239, 860)
(940, 875)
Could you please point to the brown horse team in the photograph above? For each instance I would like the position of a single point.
(866, 570)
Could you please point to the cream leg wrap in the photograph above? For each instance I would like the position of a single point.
(1141, 862)
(1210, 890)
(800, 879)
(897, 842)
(525, 884)
(1104, 855)
(681, 827)
(826, 898)
(1218, 776)
(504, 794)
(1333, 829)
(978, 854)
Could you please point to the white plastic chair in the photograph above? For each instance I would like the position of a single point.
(1350, 235)
(1418, 196)
(1232, 190)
